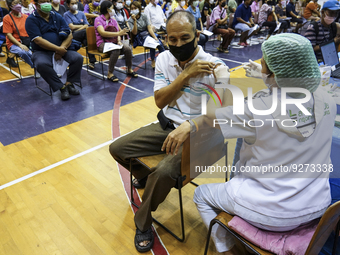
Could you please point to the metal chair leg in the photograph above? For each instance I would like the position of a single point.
(336, 236)
(212, 223)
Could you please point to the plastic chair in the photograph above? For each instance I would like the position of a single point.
(329, 222)
(200, 149)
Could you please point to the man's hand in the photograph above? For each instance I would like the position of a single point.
(176, 138)
(61, 51)
(57, 57)
(249, 24)
(253, 69)
(123, 31)
(23, 47)
(298, 17)
(120, 43)
(199, 67)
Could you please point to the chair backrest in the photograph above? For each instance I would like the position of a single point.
(91, 38)
(202, 149)
(231, 19)
(327, 224)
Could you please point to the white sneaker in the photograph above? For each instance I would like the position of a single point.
(2, 54)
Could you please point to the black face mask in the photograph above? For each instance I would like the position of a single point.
(223, 4)
(184, 52)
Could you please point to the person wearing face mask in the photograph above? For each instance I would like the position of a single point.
(194, 10)
(57, 7)
(27, 7)
(325, 29)
(156, 15)
(92, 11)
(78, 23)
(178, 73)
(218, 24)
(50, 37)
(14, 28)
(181, 5)
(290, 12)
(108, 30)
(127, 5)
(120, 14)
(140, 28)
(79, 8)
(207, 8)
(282, 200)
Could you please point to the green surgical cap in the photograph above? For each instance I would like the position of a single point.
(291, 58)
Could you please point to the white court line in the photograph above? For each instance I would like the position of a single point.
(118, 81)
(15, 73)
(139, 75)
(54, 165)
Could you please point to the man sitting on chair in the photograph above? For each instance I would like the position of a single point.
(50, 37)
(177, 93)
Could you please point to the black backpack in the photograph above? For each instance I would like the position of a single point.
(332, 31)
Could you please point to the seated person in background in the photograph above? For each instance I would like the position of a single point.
(27, 7)
(269, 11)
(177, 94)
(243, 21)
(219, 20)
(142, 3)
(50, 37)
(156, 15)
(255, 8)
(279, 14)
(194, 10)
(78, 23)
(127, 6)
(16, 20)
(290, 12)
(107, 30)
(325, 29)
(181, 5)
(92, 11)
(232, 5)
(80, 6)
(57, 7)
(207, 9)
(311, 12)
(3, 13)
(168, 9)
(140, 28)
(284, 200)
(121, 15)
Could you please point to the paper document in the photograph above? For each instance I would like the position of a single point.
(1, 23)
(150, 42)
(252, 29)
(277, 27)
(207, 32)
(108, 46)
(60, 67)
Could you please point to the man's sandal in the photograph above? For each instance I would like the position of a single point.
(144, 236)
(113, 78)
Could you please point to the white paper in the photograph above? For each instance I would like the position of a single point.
(207, 32)
(1, 23)
(60, 67)
(277, 27)
(108, 46)
(252, 29)
(150, 42)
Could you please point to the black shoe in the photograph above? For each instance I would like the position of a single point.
(64, 93)
(72, 90)
(139, 183)
(11, 62)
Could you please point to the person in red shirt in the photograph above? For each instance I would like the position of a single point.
(14, 28)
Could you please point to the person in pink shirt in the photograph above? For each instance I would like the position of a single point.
(107, 30)
(255, 8)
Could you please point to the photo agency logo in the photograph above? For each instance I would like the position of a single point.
(239, 103)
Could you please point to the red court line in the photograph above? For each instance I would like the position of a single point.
(158, 248)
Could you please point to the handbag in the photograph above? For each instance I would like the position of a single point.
(164, 121)
(25, 40)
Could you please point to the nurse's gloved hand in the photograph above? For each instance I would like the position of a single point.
(253, 69)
